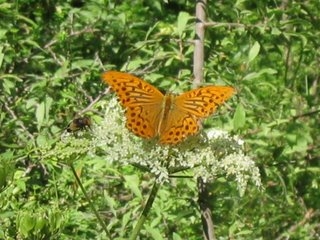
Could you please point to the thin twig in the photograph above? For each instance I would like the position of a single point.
(106, 91)
(85, 30)
(311, 213)
(103, 225)
(235, 25)
(20, 123)
(146, 210)
(206, 216)
(305, 114)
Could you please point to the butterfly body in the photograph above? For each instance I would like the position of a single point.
(171, 118)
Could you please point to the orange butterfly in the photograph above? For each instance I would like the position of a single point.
(169, 117)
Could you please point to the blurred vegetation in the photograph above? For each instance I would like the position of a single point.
(51, 56)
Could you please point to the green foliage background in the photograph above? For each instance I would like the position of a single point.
(51, 56)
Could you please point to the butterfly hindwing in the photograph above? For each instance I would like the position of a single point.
(203, 102)
(138, 123)
(178, 126)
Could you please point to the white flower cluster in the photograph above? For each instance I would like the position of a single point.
(207, 155)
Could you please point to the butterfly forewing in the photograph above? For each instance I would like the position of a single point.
(142, 102)
(131, 90)
(203, 102)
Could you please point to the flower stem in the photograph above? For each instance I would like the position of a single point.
(146, 210)
(103, 225)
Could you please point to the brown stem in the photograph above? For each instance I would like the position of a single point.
(206, 216)
(198, 66)
(198, 57)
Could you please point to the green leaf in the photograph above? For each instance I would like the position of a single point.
(133, 183)
(182, 22)
(254, 75)
(40, 223)
(41, 140)
(40, 113)
(239, 118)
(275, 31)
(26, 223)
(154, 232)
(6, 169)
(31, 103)
(8, 85)
(176, 236)
(83, 63)
(48, 105)
(254, 51)
(127, 218)
(63, 71)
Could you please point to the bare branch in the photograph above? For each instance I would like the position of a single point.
(206, 216)
(235, 25)
(107, 90)
(198, 57)
(311, 213)
(85, 30)
(198, 66)
(20, 123)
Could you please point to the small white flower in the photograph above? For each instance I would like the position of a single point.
(220, 153)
